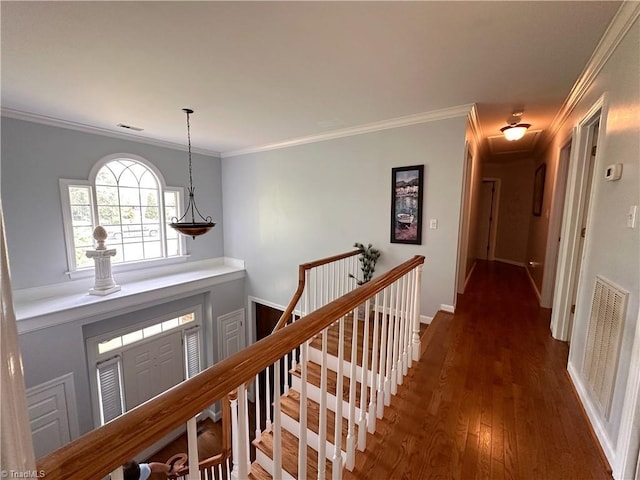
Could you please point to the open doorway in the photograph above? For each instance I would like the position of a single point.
(488, 218)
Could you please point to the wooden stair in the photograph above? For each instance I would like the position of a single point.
(290, 407)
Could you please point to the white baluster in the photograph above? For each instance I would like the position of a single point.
(192, 448)
(374, 366)
(117, 474)
(395, 374)
(401, 336)
(277, 423)
(257, 404)
(244, 462)
(233, 401)
(322, 422)
(337, 434)
(364, 380)
(267, 411)
(390, 370)
(416, 320)
(351, 434)
(302, 436)
(410, 318)
(383, 356)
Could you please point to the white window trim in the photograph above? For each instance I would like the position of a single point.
(86, 272)
(94, 358)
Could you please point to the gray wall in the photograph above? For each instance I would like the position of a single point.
(52, 352)
(289, 206)
(35, 156)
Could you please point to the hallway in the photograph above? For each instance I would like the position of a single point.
(490, 397)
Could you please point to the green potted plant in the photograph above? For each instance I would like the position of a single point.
(368, 258)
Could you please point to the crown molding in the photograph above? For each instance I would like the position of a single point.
(625, 17)
(459, 111)
(81, 127)
(474, 124)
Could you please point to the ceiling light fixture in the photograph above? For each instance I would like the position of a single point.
(193, 228)
(515, 130)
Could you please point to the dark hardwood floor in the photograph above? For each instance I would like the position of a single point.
(490, 397)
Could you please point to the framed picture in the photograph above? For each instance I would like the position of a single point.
(406, 204)
(538, 189)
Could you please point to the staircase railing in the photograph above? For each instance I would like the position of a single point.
(393, 297)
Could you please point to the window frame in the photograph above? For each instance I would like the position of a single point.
(65, 184)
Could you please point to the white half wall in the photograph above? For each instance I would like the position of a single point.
(293, 205)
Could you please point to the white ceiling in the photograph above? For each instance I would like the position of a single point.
(266, 72)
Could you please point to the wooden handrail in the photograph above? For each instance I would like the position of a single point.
(87, 458)
(301, 284)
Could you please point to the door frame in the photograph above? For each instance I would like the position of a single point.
(495, 209)
(568, 263)
(556, 220)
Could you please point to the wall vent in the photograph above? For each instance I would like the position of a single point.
(603, 340)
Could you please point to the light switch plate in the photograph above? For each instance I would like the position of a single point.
(631, 216)
(433, 223)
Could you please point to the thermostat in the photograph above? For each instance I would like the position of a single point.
(613, 172)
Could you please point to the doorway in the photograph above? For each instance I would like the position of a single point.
(488, 219)
(575, 228)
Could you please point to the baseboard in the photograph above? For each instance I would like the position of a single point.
(591, 413)
(466, 281)
(447, 308)
(425, 319)
(510, 262)
(533, 284)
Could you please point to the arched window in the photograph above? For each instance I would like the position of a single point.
(126, 195)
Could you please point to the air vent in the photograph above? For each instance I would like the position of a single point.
(130, 127)
(603, 340)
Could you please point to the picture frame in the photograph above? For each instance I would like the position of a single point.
(407, 184)
(538, 189)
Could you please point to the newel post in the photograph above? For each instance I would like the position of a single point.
(416, 319)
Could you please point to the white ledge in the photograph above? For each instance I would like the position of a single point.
(43, 307)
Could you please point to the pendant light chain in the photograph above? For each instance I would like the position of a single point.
(193, 228)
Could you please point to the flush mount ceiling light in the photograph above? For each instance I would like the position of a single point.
(515, 130)
(183, 225)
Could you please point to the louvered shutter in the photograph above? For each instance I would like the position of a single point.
(192, 351)
(110, 389)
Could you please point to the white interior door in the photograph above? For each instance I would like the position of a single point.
(152, 367)
(231, 333)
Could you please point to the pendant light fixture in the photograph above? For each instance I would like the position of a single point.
(515, 130)
(187, 224)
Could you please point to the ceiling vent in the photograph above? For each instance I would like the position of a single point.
(130, 127)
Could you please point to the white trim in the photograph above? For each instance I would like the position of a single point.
(628, 436)
(88, 272)
(435, 115)
(625, 17)
(592, 415)
(425, 319)
(473, 267)
(474, 124)
(447, 308)
(47, 306)
(81, 127)
(70, 398)
(510, 262)
(572, 216)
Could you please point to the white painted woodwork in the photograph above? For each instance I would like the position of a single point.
(16, 446)
(150, 368)
(351, 421)
(231, 333)
(364, 380)
(52, 414)
(277, 423)
(192, 448)
(337, 457)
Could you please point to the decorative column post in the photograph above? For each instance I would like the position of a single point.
(104, 283)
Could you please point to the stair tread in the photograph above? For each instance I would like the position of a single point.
(291, 406)
(290, 454)
(314, 373)
(258, 473)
